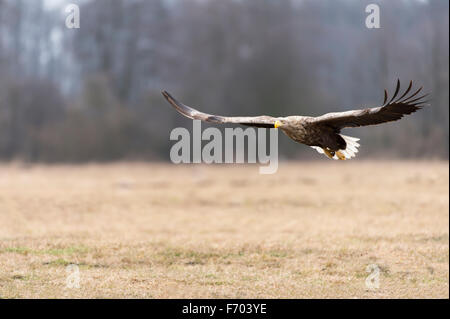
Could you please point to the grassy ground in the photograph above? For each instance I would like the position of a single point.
(166, 231)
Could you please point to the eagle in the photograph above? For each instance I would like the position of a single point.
(322, 132)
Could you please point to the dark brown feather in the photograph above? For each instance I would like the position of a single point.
(394, 110)
(256, 121)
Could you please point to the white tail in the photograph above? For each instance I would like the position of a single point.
(349, 152)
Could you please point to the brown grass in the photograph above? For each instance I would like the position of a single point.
(167, 231)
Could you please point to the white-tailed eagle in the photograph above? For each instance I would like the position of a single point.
(323, 132)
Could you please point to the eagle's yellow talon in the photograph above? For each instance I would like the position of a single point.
(340, 155)
(277, 124)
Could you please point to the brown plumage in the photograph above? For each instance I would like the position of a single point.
(322, 132)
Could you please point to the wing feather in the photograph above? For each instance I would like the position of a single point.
(404, 94)
(393, 110)
(396, 91)
(256, 121)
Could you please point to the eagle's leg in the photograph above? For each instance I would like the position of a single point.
(340, 155)
(328, 152)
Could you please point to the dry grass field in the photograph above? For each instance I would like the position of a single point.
(167, 231)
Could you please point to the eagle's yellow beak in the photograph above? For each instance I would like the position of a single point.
(277, 124)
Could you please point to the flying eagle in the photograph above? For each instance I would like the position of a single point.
(323, 132)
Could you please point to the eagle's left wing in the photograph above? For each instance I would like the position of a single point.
(393, 110)
(257, 121)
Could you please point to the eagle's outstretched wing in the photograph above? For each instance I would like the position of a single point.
(257, 121)
(393, 110)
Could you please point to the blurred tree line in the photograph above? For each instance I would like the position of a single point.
(93, 93)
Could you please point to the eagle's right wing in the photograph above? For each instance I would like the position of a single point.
(393, 110)
(256, 121)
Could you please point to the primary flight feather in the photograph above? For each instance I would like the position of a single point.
(323, 132)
